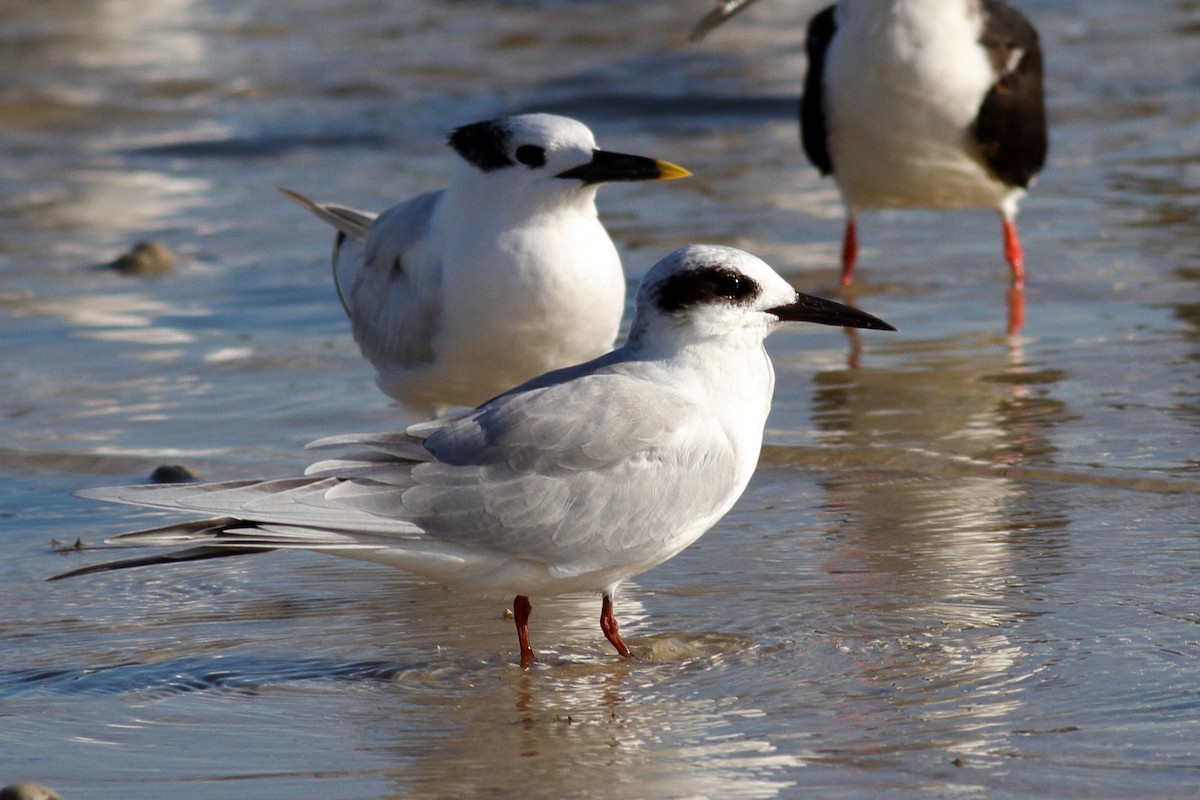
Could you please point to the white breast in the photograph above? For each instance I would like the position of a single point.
(903, 83)
(520, 302)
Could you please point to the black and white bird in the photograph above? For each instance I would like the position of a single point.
(922, 104)
(573, 482)
(458, 294)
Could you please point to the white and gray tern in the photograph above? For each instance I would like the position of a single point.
(573, 481)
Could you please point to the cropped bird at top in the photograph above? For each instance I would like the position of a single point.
(922, 104)
(571, 482)
(458, 294)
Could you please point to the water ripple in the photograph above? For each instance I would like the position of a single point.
(237, 674)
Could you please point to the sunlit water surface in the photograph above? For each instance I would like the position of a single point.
(968, 566)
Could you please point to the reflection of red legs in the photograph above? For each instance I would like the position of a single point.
(854, 357)
(608, 624)
(1013, 253)
(1016, 308)
(849, 259)
(521, 609)
(849, 250)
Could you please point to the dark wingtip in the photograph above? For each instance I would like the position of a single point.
(200, 553)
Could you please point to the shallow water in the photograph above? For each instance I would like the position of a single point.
(968, 565)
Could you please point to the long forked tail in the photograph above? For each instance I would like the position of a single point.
(355, 224)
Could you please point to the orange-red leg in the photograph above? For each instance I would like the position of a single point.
(608, 624)
(849, 250)
(1013, 253)
(1016, 264)
(521, 610)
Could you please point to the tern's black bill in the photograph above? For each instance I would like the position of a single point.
(606, 167)
(807, 308)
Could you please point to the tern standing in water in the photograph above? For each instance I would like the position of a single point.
(572, 482)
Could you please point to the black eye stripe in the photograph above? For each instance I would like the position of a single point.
(484, 144)
(531, 155)
(706, 285)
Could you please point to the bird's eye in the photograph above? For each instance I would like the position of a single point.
(733, 287)
(531, 155)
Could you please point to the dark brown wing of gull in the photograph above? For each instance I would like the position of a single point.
(1010, 128)
(813, 128)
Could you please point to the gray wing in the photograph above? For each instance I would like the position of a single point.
(388, 277)
(596, 469)
(392, 284)
(579, 474)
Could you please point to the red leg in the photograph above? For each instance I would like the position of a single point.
(608, 624)
(849, 250)
(521, 609)
(1013, 253)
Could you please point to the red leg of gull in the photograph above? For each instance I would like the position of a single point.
(1016, 263)
(849, 250)
(1013, 253)
(608, 624)
(521, 609)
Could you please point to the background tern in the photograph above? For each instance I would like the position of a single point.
(458, 294)
(573, 481)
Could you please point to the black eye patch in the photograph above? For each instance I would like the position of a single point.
(531, 155)
(706, 285)
(484, 144)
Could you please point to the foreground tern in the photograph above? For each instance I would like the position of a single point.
(922, 104)
(573, 481)
(458, 294)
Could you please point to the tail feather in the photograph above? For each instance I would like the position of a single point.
(352, 222)
(349, 246)
(303, 513)
(286, 501)
(199, 553)
(228, 536)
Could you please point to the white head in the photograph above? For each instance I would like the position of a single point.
(544, 154)
(705, 291)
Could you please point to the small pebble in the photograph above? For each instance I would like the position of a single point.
(146, 258)
(172, 473)
(28, 791)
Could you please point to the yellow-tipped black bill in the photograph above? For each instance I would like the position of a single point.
(607, 167)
